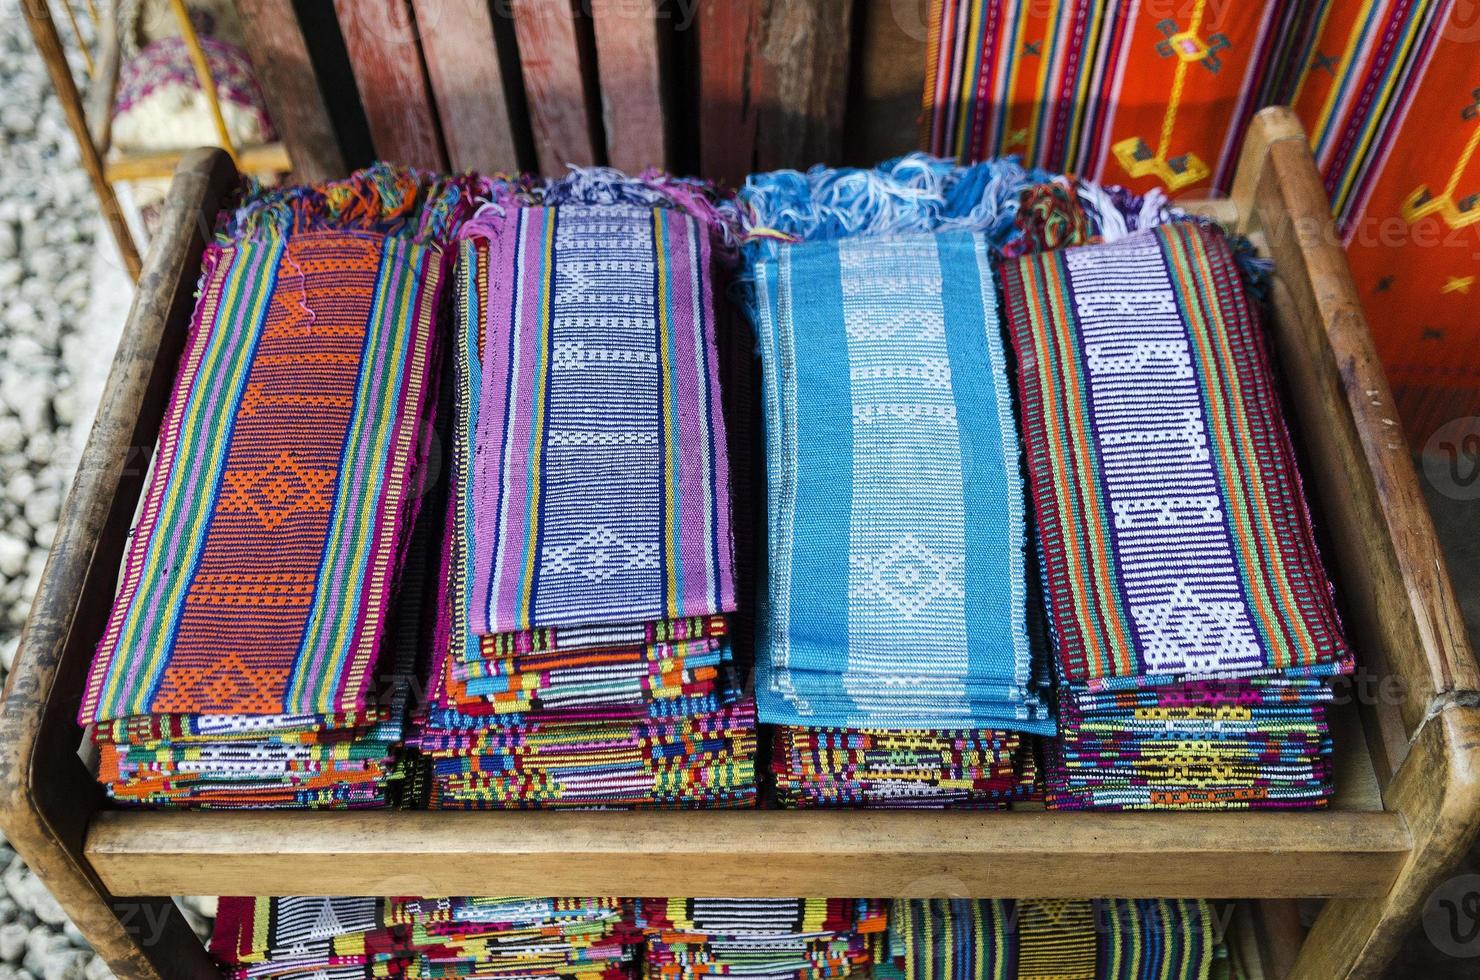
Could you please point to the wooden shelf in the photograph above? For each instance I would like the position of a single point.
(1408, 758)
(1355, 849)
(751, 853)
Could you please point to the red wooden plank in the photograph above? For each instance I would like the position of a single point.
(727, 115)
(294, 99)
(380, 36)
(773, 84)
(462, 62)
(631, 92)
(554, 83)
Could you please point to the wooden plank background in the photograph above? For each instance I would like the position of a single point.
(729, 86)
(385, 54)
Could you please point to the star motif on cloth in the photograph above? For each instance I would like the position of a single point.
(1458, 284)
(600, 554)
(277, 491)
(909, 576)
(1187, 629)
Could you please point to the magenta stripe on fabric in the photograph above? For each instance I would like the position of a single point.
(599, 403)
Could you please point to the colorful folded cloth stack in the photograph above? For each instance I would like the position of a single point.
(585, 657)
(247, 661)
(765, 939)
(1192, 620)
(901, 585)
(1107, 939)
(351, 938)
(877, 767)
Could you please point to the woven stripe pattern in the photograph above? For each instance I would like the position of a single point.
(258, 577)
(888, 416)
(609, 679)
(597, 486)
(1176, 540)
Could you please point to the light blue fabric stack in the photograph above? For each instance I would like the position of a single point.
(899, 570)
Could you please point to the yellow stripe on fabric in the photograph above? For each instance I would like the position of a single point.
(1090, 52)
(1179, 82)
(192, 419)
(1053, 422)
(1185, 247)
(974, 54)
(1306, 70)
(261, 926)
(670, 437)
(547, 275)
(366, 378)
(429, 269)
(1046, 63)
(382, 426)
(1336, 96)
(1377, 115)
(198, 510)
(1011, 51)
(1101, 569)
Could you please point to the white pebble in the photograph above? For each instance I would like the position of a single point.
(13, 554)
(66, 964)
(13, 942)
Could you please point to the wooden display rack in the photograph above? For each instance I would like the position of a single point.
(1408, 759)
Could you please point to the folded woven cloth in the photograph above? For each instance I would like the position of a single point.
(762, 938)
(898, 565)
(258, 577)
(928, 769)
(583, 656)
(600, 486)
(1175, 537)
(424, 937)
(1107, 939)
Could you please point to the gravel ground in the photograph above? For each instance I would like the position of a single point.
(61, 307)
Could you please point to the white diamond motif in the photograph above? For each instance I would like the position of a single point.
(908, 576)
(599, 554)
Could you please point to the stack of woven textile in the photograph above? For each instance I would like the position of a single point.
(248, 660)
(798, 938)
(584, 657)
(1107, 939)
(903, 654)
(1192, 619)
(575, 938)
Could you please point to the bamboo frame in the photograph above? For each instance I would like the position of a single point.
(92, 124)
(1409, 788)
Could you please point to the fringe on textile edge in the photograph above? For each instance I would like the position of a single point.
(712, 206)
(381, 198)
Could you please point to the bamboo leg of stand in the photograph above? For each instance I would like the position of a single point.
(44, 30)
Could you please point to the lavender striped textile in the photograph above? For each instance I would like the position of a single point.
(601, 486)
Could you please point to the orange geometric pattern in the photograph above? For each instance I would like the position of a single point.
(228, 683)
(277, 491)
